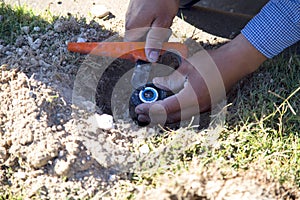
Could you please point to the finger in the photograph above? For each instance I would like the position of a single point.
(174, 108)
(175, 81)
(157, 35)
(136, 35)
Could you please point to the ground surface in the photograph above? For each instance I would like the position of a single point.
(42, 152)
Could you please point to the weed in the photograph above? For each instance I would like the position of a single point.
(13, 18)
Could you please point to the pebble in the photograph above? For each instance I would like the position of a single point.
(20, 51)
(26, 138)
(96, 121)
(112, 177)
(59, 127)
(80, 39)
(72, 148)
(44, 64)
(144, 149)
(62, 167)
(34, 62)
(61, 153)
(57, 26)
(8, 53)
(36, 44)
(25, 29)
(99, 11)
(37, 29)
(39, 159)
(20, 175)
(3, 154)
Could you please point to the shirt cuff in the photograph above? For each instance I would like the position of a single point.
(275, 28)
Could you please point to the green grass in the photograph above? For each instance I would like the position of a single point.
(13, 18)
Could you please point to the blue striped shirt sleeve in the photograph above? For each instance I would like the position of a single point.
(275, 27)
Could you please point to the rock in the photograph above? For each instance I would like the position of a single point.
(20, 175)
(44, 64)
(72, 148)
(99, 11)
(43, 152)
(20, 51)
(97, 121)
(34, 44)
(25, 29)
(39, 159)
(112, 178)
(62, 168)
(3, 154)
(19, 41)
(57, 26)
(144, 149)
(34, 62)
(80, 39)
(27, 137)
(37, 29)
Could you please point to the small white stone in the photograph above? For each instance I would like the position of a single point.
(99, 11)
(20, 175)
(20, 51)
(97, 121)
(8, 53)
(25, 29)
(80, 39)
(61, 153)
(112, 177)
(62, 167)
(144, 149)
(72, 148)
(34, 44)
(36, 28)
(105, 121)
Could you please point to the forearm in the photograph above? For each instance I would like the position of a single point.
(236, 59)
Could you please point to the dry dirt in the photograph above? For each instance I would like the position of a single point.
(42, 152)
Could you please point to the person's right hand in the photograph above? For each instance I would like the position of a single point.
(150, 20)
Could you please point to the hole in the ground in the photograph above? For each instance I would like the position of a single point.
(59, 2)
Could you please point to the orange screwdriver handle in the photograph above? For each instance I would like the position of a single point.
(127, 50)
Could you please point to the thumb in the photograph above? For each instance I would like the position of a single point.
(173, 82)
(154, 42)
(176, 80)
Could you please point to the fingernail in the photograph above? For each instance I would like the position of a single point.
(153, 56)
(143, 118)
(155, 80)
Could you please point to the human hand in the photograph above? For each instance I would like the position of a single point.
(150, 21)
(203, 80)
(199, 87)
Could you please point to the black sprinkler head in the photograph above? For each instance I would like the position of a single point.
(148, 93)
